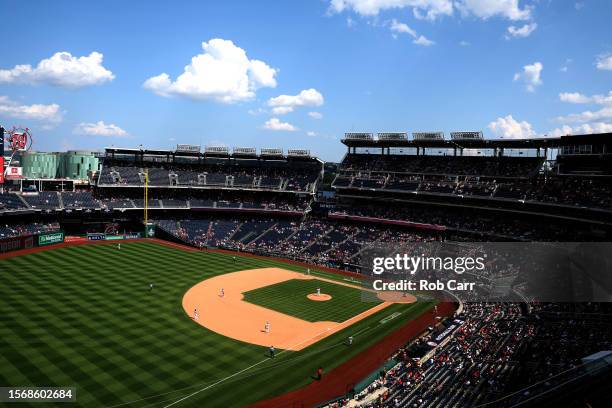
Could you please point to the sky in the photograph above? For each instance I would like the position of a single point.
(299, 74)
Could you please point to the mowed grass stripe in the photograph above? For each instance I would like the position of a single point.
(84, 316)
(290, 297)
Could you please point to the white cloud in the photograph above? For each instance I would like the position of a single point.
(277, 125)
(604, 62)
(315, 115)
(307, 97)
(99, 129)
(521, 32)
(576, 97)
(509, 9)
(311, 133)
(464, 43)
(589, 116)
(424, 9)
(401, 28)
(397, 28)
(531, 76)
(579, 5)
(223, 73)
(604, 113)
(597, 127)
(49, 114)
(281, 110)
(423, 41)
(510, 128)
(61, 69)
(432, 9)
(573, 97)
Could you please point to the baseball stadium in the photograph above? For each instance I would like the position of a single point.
(191, 257)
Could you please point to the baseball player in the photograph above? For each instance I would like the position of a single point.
(119, 246)
(150, 286)
(272, 351)
(222, 293)
(195, 314)
(318, 291)
(267, 327)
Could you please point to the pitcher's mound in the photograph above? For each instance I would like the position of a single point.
(319, 298)
(397, 297)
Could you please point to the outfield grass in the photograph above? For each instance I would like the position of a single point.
(289, 297)
(83, 316)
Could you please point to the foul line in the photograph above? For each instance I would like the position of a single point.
(238, 372)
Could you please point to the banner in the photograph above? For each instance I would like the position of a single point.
(13, 244)
(1, 166)
(49, 239)
(96, 236)
(13, 173)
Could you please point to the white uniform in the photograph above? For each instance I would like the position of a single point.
(222, 293)
(195, 314)
(267, 327)
(318, 291)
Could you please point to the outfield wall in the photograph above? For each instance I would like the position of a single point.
(30, 241)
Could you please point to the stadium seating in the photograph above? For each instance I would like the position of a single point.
(11, 202)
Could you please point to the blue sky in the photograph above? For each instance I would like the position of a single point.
(298, 74)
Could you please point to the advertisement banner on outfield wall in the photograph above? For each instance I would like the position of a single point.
(96, 237)
(16, 243)
(50, 238)
(1, 167)
(490, 271)
(134, 235)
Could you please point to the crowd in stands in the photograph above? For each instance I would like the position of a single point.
(246, 174)
(316, 241)
(52, 200)
(501, 353)
(11, 202)
(466, 220)
(17, 230)
(445, 165)
(506, 178)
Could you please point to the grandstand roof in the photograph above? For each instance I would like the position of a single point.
(533, 143)
(467, 144)
(266, 154)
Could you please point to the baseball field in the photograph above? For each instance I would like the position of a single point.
(87, 317)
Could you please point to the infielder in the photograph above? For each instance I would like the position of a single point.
(195, 314)
(267, 327)
(222, 293)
